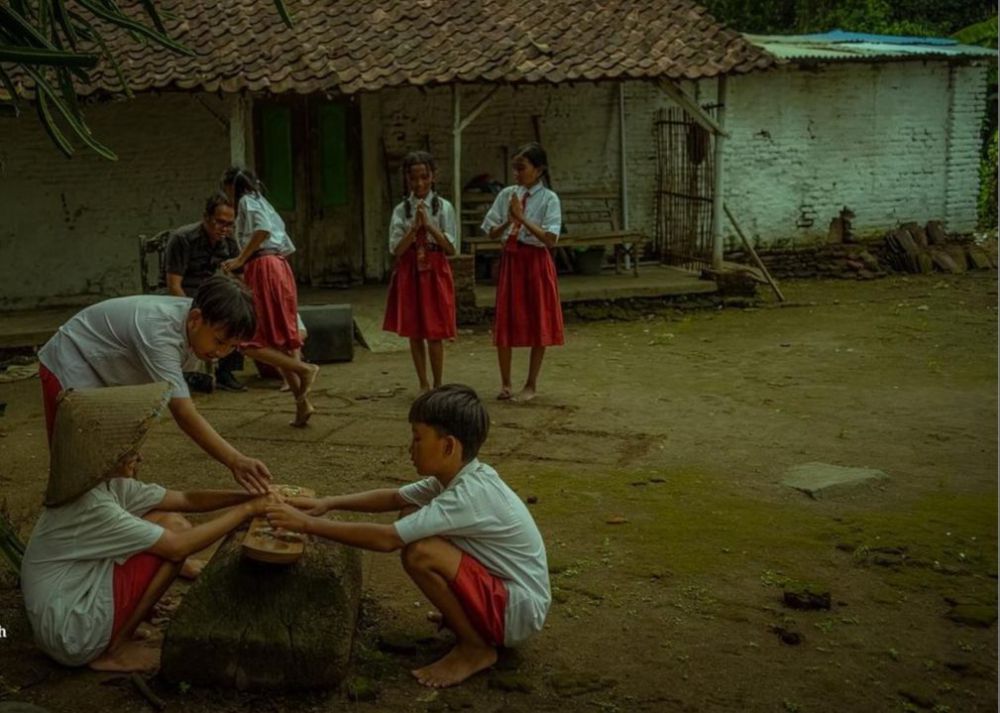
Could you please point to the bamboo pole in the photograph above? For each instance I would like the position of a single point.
(753, 254)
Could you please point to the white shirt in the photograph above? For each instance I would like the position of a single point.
(444, 221)
(482, 516)
(542, 209)
(67, 573)
(123, 341)
(255, 214)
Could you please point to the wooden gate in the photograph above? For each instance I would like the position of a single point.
(685, 176)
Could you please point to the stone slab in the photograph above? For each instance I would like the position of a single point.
(253, 626)
(822, 479)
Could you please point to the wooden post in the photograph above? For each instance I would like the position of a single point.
(753, 254)
(240, 138)
(720, 137)
(376, 251)
(623, 171)
(456, 158)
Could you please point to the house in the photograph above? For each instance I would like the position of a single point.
(625, 95)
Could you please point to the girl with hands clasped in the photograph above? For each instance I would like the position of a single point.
(421, 300)
(527, 217)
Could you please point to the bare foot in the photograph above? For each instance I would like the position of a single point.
(303, 410)
(424, 388)
(434, 617)
(130, 656)
(504, 394)
(526, 395)
(457, 665)
(192, 568)
(285, 388)
(307, 380)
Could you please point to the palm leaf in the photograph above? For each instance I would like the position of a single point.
(127, 23)
(42, 56)
(981, 33)
(44, 92)
(11, 90)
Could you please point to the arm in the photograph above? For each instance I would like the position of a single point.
(256, 240)
(202, 500)
(174, 285)
(251, 473)
(403, 245)
(517, 214)
(366, 535)
(176, 545)
(440, 234)
(381, 500)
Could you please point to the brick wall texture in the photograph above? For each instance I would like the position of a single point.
(895, 142)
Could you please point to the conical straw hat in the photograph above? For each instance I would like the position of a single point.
(94, 430)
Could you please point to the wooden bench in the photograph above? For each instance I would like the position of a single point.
(589, 220)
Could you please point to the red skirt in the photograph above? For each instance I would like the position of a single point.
(421, 303)
(528, 312)
(276, 302)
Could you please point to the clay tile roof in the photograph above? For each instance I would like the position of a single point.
(354, 45)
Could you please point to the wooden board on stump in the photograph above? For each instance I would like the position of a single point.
(250, 625)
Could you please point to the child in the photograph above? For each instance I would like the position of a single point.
(264, 250)
(145, 338)
(107, 547)
(527, 217)
(303, 333)
(421, 301)
(468, 541)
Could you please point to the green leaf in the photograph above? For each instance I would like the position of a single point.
(42, 56)
(62, 17)
(981, 33)
(87, 30)
(12, 90)
(129, 24)
(283, 11)
(43, 88)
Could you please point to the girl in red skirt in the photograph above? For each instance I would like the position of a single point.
(527, 217)
(264, 250)
(421, 301)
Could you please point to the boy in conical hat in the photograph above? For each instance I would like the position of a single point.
(107, 546)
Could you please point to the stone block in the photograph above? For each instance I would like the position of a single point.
(818, 479)
(936, 234)
(249, 625)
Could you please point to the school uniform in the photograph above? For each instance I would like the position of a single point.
(421, 299)
(269, 275)
(123, 341)
(528, 312)
(85, 568)
(503, 576)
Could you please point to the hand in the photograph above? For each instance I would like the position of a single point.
(252, 474)
(231, 265)
(420, 219)
(259, 505)
(311, 506)
(516, 210)
(287, 518)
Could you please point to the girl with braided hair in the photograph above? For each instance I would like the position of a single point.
(421, 301)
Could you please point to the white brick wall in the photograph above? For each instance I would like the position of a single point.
(68, 227)
(891, 141)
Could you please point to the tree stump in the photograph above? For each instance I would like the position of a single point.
(250, 625)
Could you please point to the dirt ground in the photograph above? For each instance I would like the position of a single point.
(681, 423)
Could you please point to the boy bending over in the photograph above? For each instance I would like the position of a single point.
(107, 546)
(467, 540)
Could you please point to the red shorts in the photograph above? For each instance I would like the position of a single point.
(50, 393)
(483, 597)
(131, 580)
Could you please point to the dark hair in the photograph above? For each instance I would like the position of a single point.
(243, 182)
(454, 410)
(214, 201)
(536, 156)
(416, 158)
(226, 302)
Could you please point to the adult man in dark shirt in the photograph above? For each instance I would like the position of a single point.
(194, 253)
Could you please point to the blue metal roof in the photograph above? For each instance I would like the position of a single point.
(838, 45)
